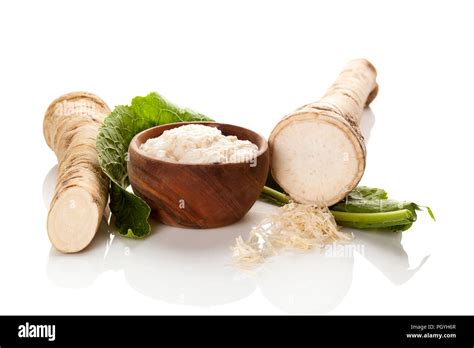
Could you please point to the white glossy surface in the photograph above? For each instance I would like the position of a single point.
(247, 63)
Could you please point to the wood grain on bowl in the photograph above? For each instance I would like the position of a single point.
(198, 195)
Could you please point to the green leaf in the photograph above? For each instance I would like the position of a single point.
(430, 212)
(124, 122)
(132, 219)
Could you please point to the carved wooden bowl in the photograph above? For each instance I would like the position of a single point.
(198, 195)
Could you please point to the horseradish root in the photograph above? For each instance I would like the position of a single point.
(70, 127)
(317, 152)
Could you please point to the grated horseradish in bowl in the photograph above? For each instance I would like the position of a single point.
(201, 144)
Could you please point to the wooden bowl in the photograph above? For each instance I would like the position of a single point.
(198, 195)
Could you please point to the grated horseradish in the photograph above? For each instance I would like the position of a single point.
(199, 144)
(295, 227)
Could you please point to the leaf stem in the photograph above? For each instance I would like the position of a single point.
(374, 220)
(276, 195)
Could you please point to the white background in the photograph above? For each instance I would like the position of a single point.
(247, 63)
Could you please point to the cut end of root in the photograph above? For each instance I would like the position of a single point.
(316, 159)
(73, 220)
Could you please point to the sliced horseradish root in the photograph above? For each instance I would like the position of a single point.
(199, 144)
(70, 126)
(317, 152)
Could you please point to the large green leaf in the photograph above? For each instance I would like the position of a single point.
(124, 122)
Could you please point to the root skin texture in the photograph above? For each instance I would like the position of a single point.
(70, 127)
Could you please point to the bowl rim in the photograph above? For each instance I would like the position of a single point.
(133, 144)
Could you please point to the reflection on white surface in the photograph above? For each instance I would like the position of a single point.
(317, 282)
(191, 267)
(306, 283)
(175, 265)
(182, 266)
(385, 251)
